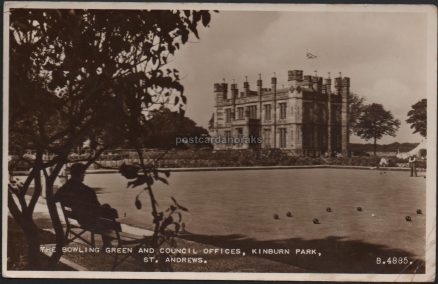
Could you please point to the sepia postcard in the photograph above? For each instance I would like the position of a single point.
(219, 141)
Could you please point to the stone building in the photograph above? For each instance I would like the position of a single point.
(309, 117)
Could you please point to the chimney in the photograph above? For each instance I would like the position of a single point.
(259, 85)
(274, 84)
(234, 91)
(246, 86)
(224, 88)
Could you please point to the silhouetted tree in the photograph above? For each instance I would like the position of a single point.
(356, 106)
(417, 117)
(375, 122)
(165, 126)
(78, 75)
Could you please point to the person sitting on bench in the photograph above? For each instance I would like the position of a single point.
(83, 201)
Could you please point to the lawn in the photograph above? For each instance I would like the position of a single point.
(236, 209)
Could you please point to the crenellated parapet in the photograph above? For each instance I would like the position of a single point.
(217, 87)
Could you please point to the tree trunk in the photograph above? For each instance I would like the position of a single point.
(32, 235)
(54, 216)
(375, 147)
(57, 226)
(24, 219)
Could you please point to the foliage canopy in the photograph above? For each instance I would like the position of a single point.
(78, 75)
(417, 117)
(375, 122)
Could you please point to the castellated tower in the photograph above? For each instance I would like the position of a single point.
(295, 79)
(342, 86)
(345, 93)
(327, 89)
(220, 98)
(306, 118)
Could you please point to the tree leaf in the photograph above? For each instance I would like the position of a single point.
(206, 19)
(183, 208)
(163, 180)
(179, 206)
(129, 171)
(140, 180)
(137, 203)
(174, 200)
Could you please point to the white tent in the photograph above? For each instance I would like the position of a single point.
(416, 151)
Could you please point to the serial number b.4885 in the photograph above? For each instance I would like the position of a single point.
(392, 260)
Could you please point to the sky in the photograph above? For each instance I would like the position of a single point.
(383, 53)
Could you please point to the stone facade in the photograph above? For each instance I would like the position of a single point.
(307, 118)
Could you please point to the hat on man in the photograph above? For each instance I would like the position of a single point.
(77, 169)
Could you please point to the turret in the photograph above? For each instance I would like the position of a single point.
(345, 91)
(274, 91)
(294, 77)
(307, 81)
(316, 83)
(338, 84)
(345, 87)
(220, 96)
(328, 91)
(234, 95)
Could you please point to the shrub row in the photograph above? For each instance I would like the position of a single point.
(245, 158)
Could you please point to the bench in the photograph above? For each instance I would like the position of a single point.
(101, 220)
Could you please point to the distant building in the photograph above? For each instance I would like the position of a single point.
(307, 118)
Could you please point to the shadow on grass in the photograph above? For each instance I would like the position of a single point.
(338, 255)
(17, 258)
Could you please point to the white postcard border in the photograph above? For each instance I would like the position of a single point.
(430, 12)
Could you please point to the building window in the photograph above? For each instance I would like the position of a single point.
(282, 110)
(307, 112)
(227, 134)
(239, 132)
(228, 115)
(267, 137)
(282, 137)
(252, 111)
(240, 113)
(267, 112)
